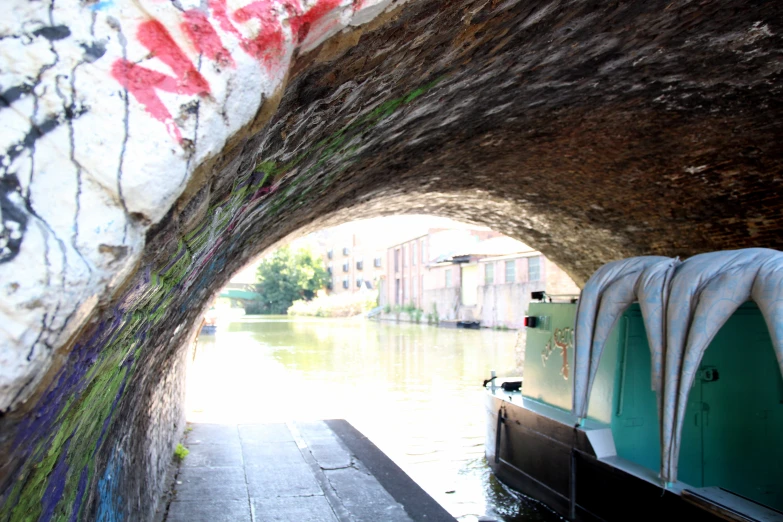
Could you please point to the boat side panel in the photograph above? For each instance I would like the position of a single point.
(615, 495)
(549, 357)
(740, 412)
(534, 451)
(635, 417)
(603, 396)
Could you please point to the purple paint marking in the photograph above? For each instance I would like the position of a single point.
(77, 505)
(56, 485)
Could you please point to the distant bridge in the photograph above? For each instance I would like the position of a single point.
(241, 292)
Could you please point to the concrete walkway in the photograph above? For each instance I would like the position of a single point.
(305, 472)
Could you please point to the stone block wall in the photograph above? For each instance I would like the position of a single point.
(446, 301)
(506, 304)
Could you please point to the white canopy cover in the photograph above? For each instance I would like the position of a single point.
(683, 306)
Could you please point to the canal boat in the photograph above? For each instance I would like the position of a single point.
(657, 393)
(210, 321)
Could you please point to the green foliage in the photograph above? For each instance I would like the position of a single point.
(414, 314)
(285, 277)
(181, 452)
(338, 305)
(433, 317)
(255, 307)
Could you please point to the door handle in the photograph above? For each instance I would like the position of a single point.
(703, 411)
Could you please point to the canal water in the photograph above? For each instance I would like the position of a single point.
(414, 390)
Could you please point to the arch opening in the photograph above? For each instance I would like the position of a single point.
(410, 387)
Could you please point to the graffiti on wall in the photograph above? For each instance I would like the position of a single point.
(58, 444)
(14, 201)
(268, 47)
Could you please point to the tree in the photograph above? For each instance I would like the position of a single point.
(286, 276)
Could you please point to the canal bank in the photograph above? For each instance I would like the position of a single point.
(323, 471)
(414, 390)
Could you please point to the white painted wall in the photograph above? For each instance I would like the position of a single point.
(87, 167)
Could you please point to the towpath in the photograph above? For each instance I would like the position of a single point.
(322, 471)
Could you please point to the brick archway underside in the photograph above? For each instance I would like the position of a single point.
(591, 132)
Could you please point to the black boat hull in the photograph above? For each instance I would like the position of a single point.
(556, 464)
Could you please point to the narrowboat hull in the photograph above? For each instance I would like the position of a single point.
(561, 465)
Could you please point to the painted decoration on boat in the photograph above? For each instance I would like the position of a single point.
(562, 339)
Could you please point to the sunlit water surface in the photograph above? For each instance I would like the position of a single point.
(414, 390)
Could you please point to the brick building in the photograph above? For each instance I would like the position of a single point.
(408, 263)
(354, 261)
(470, 275)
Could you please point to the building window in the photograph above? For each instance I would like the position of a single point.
(489, 273)
(413, 254)
(396, 259)
(346, 251)
(360, 264)
(377, 262)
(358, 282)
(345, 282)
(534, 268)
(423, 255)
(404, 256)
(415, 292)
(511, 271)
(330, 254)
(329, 269)
(346, 267)
(448, 278)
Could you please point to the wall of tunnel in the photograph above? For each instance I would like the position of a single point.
(151, 149)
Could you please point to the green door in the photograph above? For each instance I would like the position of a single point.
(733, 428)
(691, 464)
(734, 419)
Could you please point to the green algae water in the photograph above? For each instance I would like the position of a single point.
(414, 390)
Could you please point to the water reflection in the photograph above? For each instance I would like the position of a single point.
(414, 390)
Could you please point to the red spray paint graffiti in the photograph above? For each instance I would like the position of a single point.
(301, 24)
(142, 83)
(267, 46)
(204, 37)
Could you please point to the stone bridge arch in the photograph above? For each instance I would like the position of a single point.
(153, 148)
